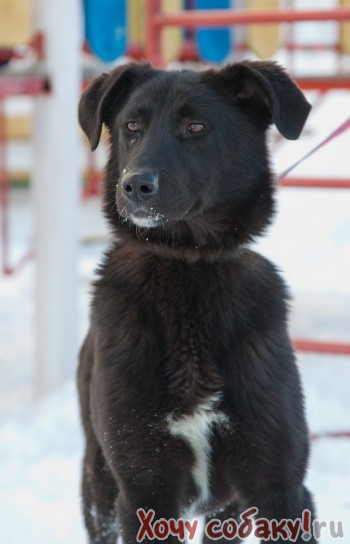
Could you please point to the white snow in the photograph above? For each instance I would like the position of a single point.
(40, 457)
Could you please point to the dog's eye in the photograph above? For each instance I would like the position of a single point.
(132, 126)
(196, 128)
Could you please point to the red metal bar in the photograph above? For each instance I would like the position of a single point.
(335, 348)
(323, 83)
(320, 436)
(156, 20)
(93, 178)
(11, 85)
(316, 183)
(153, 32)
(311, 47)
(17, 85)
(4, 187)
(4, 204)
(217, 18)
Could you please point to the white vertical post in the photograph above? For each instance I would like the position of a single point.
(56, 192)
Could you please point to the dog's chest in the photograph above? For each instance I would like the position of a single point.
(193, 380)
(191, 353)
(196, 429)
(190, 366)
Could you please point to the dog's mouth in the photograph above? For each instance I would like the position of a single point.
(147, 218)
(150, 219)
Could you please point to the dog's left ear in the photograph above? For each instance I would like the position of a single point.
(264, 90)
(105, 96)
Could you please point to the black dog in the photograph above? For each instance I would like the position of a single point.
(190, 396)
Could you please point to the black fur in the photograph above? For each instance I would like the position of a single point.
(183, 310)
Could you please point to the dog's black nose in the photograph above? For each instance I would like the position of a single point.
(140, 186)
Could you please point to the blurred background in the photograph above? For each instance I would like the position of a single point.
(52, 233)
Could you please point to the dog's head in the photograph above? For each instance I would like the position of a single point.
(188, 161)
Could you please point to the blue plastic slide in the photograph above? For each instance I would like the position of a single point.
(106, 27)
(213, 44)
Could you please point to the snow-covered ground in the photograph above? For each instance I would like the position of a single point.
(40, 440)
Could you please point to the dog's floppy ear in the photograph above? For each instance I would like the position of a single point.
(106, 95)
(263, 89)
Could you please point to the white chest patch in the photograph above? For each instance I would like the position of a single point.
(195, 429)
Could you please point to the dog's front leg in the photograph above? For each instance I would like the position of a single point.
(144, 512)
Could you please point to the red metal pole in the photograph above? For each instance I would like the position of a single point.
(320, 436)
(153, 32)
(316, 183)
(12, 85)
(3, 191)
(323, 83)
(156, 20)
(217, 18)
(335, 348)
